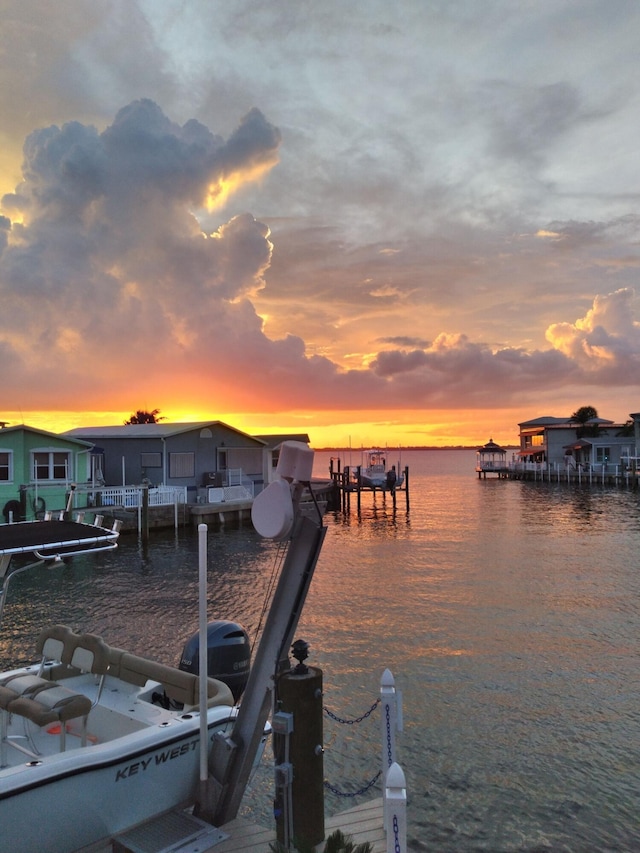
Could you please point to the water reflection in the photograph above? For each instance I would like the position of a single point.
(509, 613)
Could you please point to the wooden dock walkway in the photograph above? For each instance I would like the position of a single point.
(361, 823)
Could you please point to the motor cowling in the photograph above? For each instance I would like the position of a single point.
(228, 655)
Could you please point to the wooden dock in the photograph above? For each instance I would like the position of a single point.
(345, 483)
(361, 823)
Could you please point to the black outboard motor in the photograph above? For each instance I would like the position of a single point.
(228, 655)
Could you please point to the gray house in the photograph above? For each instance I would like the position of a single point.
(192, 455)
(595, 444)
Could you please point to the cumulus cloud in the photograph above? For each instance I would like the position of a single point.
(106, 261)
(111, 290)
(606, 340)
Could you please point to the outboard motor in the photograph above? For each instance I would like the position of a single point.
(228, 655)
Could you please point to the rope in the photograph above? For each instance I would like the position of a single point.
(275, 574)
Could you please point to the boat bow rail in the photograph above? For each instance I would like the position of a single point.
(49, 542)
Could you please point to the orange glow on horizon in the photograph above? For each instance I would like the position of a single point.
(325, 429)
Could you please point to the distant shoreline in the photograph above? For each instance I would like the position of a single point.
(412, 447)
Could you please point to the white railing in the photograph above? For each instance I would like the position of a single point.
(229, 494)
(587, 472)
(130, 497)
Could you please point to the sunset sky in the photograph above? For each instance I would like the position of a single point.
(409, 223)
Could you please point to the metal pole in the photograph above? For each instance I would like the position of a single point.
(203, 657)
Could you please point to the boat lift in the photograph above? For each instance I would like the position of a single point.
(278, 514)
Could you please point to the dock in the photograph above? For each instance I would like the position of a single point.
(362, 823)
(542, 472)
(347, 482)
(181, 832)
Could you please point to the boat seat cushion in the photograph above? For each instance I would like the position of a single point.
(179, 685)
(90, 654)
(51, 704)
(19, 685)
(56, 643)
(53, 644)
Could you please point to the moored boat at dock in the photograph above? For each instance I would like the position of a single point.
(375, 471)
(98, 738)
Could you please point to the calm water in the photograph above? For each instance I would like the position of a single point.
(509, 613)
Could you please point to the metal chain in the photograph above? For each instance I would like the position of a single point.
(344, 722)
(363, 790)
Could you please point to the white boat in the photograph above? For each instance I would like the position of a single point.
(377, 473)
(96, 739)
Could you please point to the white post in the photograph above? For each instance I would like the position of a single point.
(395, 810)
(390, 719)
(202, 653)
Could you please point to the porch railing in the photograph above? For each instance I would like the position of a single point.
(129, 497)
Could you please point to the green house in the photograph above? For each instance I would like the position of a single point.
(37, 469)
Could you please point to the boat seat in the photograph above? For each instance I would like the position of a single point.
(179, 685)
(53, 644)
(91, 654)
(54, 703)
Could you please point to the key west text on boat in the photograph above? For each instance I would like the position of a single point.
(99, 739)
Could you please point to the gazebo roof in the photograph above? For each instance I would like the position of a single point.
(491, 447)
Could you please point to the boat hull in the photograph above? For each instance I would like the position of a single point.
(95, 793)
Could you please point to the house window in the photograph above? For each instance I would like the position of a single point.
(151, 460)
(51, 465)
(603, 454)
(6, 472)
(182, 465)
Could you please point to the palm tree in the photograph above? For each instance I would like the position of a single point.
(582, 416)
(143, 417)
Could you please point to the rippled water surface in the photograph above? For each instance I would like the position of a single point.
(509, 613)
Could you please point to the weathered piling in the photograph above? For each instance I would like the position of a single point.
(298, 751)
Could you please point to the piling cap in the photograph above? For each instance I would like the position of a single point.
(387, 679)
(300, 651)
(395, 777)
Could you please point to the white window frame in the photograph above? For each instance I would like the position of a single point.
(52, 464)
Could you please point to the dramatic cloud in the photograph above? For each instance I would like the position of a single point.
(434, 207)
(106, 261)
(606, 341)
